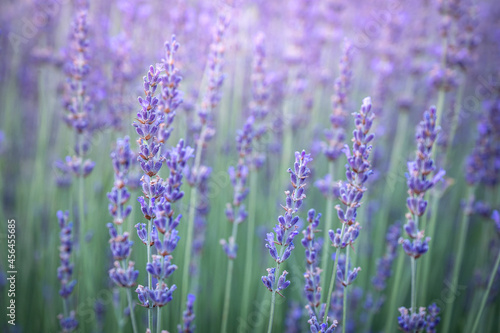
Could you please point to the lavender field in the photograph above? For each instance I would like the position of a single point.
(250, 166)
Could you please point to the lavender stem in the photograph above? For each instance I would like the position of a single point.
(332, 280)
(486, 294)
(271, 315)
(132, 314)
(344, 309)
(250, 237)
(227, 293)
(328, 226)
(464, 224)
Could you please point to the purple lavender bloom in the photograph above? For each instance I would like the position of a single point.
(65, 270)
(421, 177)
(384, 264)
(312, 287)
(293, 318)
(68, 324)
(317, 327)
(124, 277)
(358, 169)
(123, 273)
(495, 216)
(157, 297)
(286, 229)
(160, 267)
(188, 316)
(335, 136)
(79, 104)
(410, 322)
(432, 318)
(483, 164)
(343, 277)
(171, 97)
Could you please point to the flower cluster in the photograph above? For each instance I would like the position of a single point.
(236, 211)
(482, 164)
(421, 177)
(358, 169)
(384, 264)
(153, 127)
(335, 136)
(317, 327)
(78, 104)
(259, 105)
(65, 270)
(188, 316)
(312, 287)
(286, 229)
(346, 278)
(419, 321)
(171, 97)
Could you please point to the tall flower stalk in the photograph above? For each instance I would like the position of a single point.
(335, 140)
(312, 286)
(67, 320)
(198, 173)
(259, 110)
(358, 169)
(421, 178)
(286, 230)
(123, 274)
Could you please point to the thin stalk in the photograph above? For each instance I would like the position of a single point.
(328, 226)
(398, 276)
(486, 294)
(252, 204)
(344, 307)
(150, 278)
(464, 224)
(132, 314)
(332, 280)
(454, 120)
(393, 176)
(227, 293)
(431, 227)
(413, 285)
(158, 320)
(271, 315)
(192, 211)
(414, 277)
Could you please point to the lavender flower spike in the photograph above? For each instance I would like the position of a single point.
(188, 316)
(65, 270)
(286, 229)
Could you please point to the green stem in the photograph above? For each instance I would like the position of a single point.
(132, 314)
(192, 211)
(486, 294)
(394, 173)
(271, 315)
(328, 226)
(454, 120)
(227, 294)
(158, 320)
(344, 310)
(249, 248)
(398, 276)
(150, 278)
(413, 285)
(430, 231)
(464, 224)
(332, 280)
